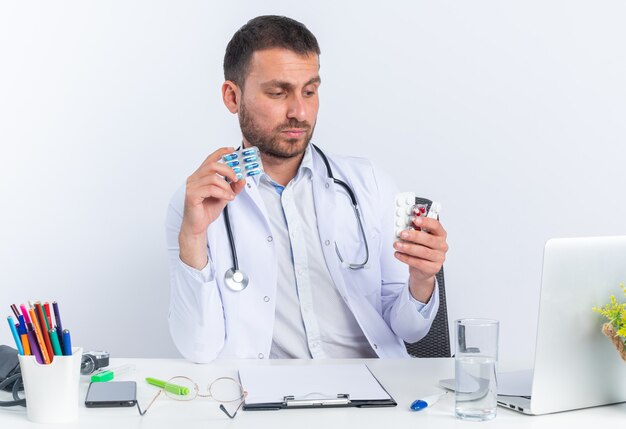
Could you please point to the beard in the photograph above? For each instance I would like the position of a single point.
(272, 143)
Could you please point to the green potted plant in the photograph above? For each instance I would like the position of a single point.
(615, 327)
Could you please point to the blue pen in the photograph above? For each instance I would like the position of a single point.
(428, 401)
(16, 337)
(67, 343)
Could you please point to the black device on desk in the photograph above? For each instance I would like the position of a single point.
(111, 394)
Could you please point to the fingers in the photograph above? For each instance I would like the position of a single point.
(238, 186)
(436, 255)
(433, 226)
(211, 166)
(423, 250)
(211, 186)
(434, 237)
(216, 156)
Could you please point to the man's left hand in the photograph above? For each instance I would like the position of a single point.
(424, 252)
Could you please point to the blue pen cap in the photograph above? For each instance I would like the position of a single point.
(67, 343)
(21, 329)
(418, 405)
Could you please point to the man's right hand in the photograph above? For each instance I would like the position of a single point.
(206, 195)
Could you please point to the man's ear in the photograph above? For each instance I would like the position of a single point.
(231, 95)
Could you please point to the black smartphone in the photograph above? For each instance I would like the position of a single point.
(111, 394)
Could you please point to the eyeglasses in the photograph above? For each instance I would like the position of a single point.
(226, 390)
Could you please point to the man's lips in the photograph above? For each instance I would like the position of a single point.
(294, 132)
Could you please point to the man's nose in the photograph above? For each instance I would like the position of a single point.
(297, 108)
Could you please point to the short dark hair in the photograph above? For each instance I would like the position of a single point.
(265, 32)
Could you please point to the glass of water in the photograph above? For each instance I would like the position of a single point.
(475, 369)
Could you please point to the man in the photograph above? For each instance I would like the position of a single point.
(294, 229)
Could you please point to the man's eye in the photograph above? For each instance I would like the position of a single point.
(275, 94)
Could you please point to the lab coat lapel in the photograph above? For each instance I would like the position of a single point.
(252, 191)
(324, 197)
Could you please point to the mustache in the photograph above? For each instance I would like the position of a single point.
(294, 123)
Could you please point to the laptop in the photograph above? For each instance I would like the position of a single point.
(575, 365)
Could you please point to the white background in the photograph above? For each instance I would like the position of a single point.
(511, 114)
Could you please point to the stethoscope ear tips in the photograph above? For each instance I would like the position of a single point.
(236, 280)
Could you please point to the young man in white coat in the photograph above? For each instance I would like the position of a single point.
(315, 278)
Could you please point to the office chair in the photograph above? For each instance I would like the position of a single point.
(437, 342)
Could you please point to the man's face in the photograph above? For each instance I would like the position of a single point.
(280, 101)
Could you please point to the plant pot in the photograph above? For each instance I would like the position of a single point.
(618, 342)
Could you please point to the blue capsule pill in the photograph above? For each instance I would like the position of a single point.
(251, 166)
(229, 157)
(239, 176)
(253, 172)
(232, 163)
(248, 152)
(250, 159)
(237, 169)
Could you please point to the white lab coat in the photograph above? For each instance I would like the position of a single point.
(207, 320)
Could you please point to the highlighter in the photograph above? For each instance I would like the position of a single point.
(113, 373)
(168, 387)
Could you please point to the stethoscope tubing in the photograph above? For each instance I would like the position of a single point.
(237, 280)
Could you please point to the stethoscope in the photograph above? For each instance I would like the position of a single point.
(237, 280)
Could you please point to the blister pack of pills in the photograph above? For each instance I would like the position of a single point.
(245, 162)
(406, 209)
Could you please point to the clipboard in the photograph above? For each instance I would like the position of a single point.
(277, 387)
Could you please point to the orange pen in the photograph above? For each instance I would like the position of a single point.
(42, 345)
(25, 344)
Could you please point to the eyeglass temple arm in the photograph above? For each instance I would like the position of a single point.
(223, 408)
(141, 413)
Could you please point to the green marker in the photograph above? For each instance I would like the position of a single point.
(54, 339)
(110, 374)
(168, 387)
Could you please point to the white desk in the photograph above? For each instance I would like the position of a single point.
(405, 379)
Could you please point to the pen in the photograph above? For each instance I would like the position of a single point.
(18, 342)
(168, 387)
(46, 308)
(67, 343)
(14, 308)
(39, 337)
(428, 401)
(54, 339)
(57, 316)
(34, 348)
(23, 335)
(25, 313)
(43, 327)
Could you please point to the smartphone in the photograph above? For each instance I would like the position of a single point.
(111, 394)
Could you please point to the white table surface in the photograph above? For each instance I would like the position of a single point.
(405, 379)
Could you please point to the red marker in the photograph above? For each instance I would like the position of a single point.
(46, 308)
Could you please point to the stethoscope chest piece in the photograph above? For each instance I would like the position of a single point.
(236, 280)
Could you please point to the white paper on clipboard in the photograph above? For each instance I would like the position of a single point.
(271, 384)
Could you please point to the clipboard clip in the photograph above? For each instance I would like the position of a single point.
(307, 401)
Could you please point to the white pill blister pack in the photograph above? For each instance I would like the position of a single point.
(245, 162)
(406, 209)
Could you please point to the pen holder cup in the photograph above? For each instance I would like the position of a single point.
(52, 390)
